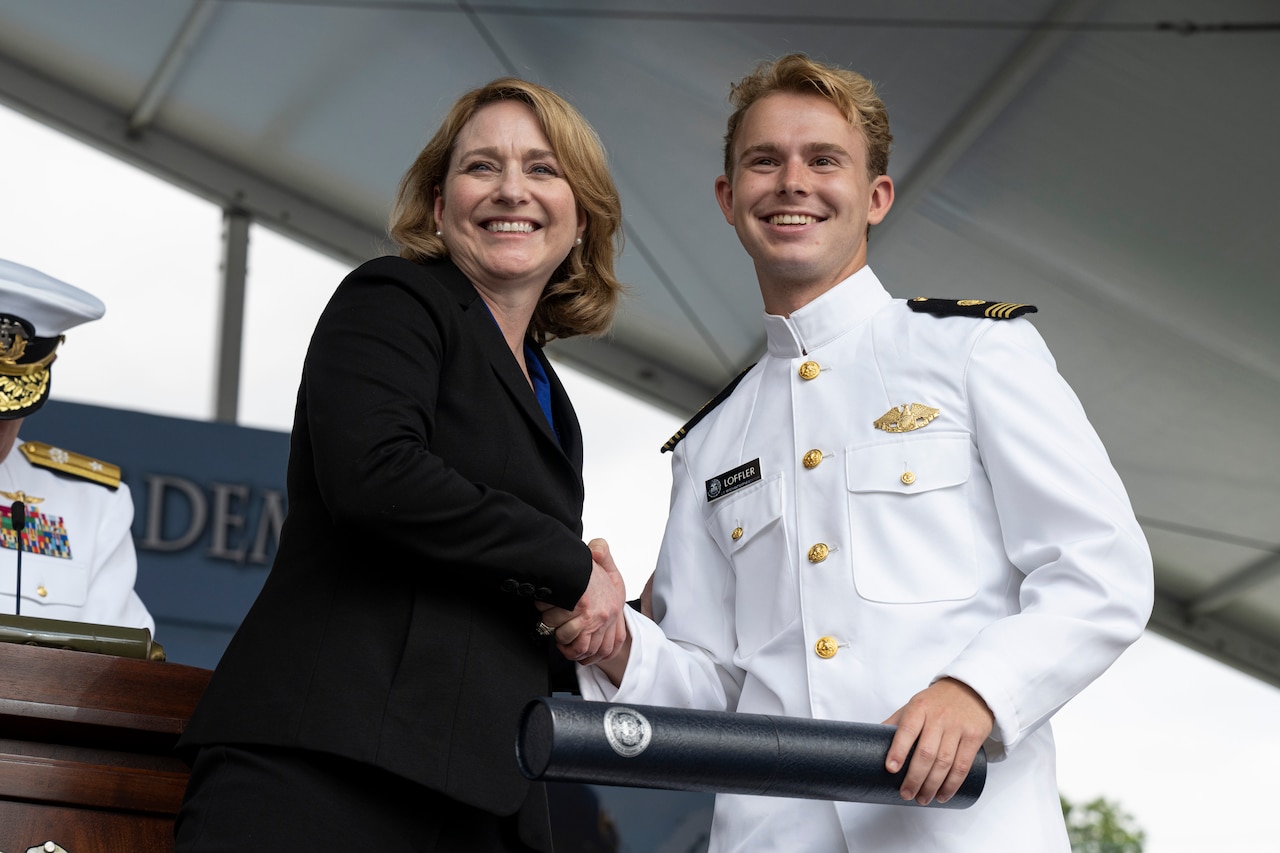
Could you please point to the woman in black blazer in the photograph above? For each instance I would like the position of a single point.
(370, 699)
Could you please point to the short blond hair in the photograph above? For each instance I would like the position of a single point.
(854, 95)
(582, 296)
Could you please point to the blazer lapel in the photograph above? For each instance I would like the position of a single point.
(509, 373)
(484, 330)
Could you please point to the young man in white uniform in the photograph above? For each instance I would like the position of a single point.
(894, 516)
(78, 560)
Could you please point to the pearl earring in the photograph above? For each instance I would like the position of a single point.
(578, 242)
(439, 233)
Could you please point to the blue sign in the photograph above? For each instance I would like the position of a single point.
(208, 500)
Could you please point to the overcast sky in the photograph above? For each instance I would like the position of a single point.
(1187, 746)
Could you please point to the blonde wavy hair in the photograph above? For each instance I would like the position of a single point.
(582, 295)
(854, 95)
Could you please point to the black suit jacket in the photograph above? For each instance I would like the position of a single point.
(430, 505)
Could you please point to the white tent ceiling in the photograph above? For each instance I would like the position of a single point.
(1107, 160)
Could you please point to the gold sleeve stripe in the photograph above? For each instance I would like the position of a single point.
(1003, 310)
(970, 308)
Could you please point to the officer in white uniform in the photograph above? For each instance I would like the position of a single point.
(77, 558)
(900, 514)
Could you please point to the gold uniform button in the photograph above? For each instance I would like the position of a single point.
(812, 459)
(826, 647)
(736, 534)
(809, 370)
(908, 478)
(818, 553)
(42, 592)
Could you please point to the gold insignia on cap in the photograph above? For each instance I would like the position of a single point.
(13, 339)
(75, 464)
(22, 386)
(906, 417)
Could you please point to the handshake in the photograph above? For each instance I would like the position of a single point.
(594, 632)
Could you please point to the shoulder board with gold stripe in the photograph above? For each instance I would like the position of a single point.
(969, 308)
(75, 464)
(705, 410)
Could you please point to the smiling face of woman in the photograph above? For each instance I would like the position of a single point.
(505, 210)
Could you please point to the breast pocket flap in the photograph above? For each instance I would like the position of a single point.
(911, 466)
(740, 518)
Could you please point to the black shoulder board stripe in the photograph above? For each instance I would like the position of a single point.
(705, 410)
(969, 308)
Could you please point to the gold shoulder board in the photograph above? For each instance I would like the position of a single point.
(75, 464)
(969, 308)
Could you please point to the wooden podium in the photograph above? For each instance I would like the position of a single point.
(85, 749)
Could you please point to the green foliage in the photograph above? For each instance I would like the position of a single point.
(1099, 826)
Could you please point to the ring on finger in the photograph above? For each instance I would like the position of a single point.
(544, 630)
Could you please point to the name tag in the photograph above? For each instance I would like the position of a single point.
(730, 481)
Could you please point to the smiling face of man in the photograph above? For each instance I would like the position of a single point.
(800, 198)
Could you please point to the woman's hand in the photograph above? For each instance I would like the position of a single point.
(595, 630)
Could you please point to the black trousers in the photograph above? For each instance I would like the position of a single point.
(254, 798)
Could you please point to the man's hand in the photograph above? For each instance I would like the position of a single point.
(594, 630)
(948, 722)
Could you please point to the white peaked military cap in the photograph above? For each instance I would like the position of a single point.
(35, 310)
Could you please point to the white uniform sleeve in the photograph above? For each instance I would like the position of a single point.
(1067, 525)
(691, 665)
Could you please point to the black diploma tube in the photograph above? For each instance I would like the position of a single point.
(645, 746)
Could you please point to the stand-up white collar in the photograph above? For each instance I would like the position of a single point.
(842, 308)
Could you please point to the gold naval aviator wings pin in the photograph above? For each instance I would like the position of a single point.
(906, 417)
(30, 500)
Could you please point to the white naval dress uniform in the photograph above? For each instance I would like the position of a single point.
(79, 564)
(994, 544)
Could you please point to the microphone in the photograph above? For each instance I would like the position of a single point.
(18, 516)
